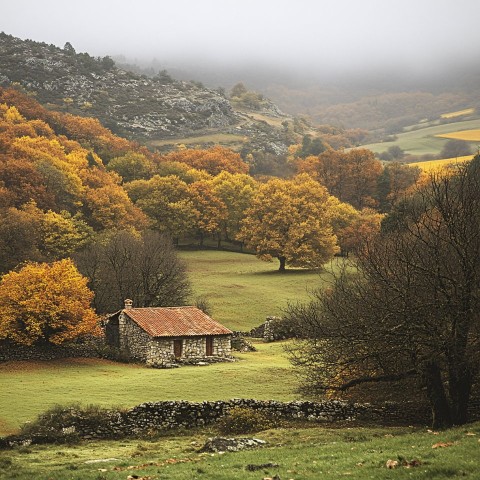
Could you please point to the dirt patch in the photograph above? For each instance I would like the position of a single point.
(6, 428)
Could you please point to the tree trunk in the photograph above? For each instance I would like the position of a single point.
(200, 243)
(282, 261)
(460, 383)
(436, 395)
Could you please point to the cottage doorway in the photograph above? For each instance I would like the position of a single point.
(209, 347)
(177, 348)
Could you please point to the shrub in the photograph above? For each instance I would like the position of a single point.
(58, 424)
(244, 420)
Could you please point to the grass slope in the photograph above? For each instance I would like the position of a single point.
(243, 290)
(424, 140)
(458, 113)
(467, 135)
(438, 164)
(29, 388)
(300, 454)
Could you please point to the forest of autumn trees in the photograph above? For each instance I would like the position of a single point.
(66, 182)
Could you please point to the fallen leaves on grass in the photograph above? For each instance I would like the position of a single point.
(169, 461)
(401, 462)
(442, 445)
(391, 464)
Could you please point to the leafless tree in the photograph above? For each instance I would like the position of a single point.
(411, 308)
(143, 267)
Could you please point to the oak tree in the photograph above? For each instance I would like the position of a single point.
(289, 220)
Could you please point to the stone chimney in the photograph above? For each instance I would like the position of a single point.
(128, 303)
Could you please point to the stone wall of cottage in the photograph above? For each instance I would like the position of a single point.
(134, 341)
(194, 347)
(222, 346)
(160, 352)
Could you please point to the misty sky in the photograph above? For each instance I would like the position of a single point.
(318, 34)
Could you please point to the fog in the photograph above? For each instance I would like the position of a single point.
(298, 37)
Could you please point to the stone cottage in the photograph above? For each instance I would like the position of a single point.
(162, 336)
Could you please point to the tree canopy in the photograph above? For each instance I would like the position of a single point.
(290, 220)
(45, 303)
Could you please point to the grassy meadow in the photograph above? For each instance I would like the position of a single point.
(226, 139)
(29, 388)
(243, 290)
(421, 141)
(298, 453)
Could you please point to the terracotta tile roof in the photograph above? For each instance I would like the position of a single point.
(175, 321)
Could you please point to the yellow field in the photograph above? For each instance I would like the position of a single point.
(458, 113)
(438, 164)
(467, 135)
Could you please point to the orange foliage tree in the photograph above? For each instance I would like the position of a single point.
(213, 160)
(45, 303)
(211, 211)
(350, 176)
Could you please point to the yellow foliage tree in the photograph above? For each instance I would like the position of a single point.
(290, 220)
(211, 211)
(45, 303)
(236, 191)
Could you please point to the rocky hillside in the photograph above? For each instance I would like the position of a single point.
(133, 105)
(125, 102)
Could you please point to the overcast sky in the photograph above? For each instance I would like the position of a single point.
(341, 34)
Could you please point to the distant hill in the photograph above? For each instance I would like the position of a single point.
(385, 100)
(130, 104)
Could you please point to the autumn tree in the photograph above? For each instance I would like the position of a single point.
(352, 227)
(23, 183)
(236, 192)
(289, 220)
(213, 160)
(61, 234)
(131, 166)
(167, 201)
(410, 313)
(126, 264)
(211, 212)
(394, 184)
(45, 304)
(350, 176)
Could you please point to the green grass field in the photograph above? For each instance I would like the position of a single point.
(29, 388)
(243, 290)
(298, 453)
(423, 140)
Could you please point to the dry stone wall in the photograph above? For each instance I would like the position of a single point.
(71, 423)
(86, 348)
